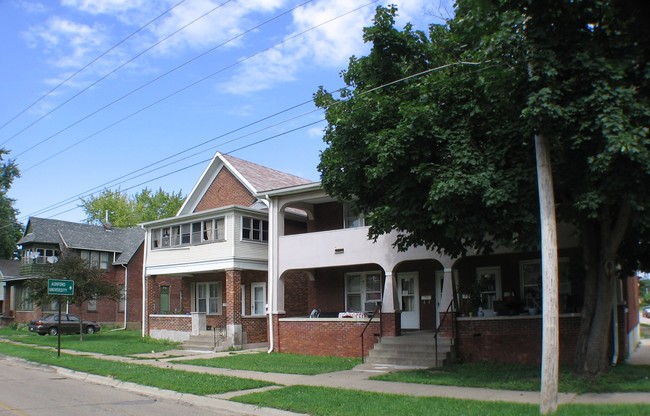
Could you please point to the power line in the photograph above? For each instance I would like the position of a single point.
(77, 73)
(420, 74)
(110, 104)
(205, 78)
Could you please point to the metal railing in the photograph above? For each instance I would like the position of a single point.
(442, 321)
(381, 331)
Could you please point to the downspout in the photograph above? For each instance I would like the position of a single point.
(271, 263)
(615, 325)
(144, 283)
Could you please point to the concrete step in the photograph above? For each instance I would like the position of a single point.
(411, 349)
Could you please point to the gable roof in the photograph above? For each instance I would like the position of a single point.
(256, 178)
(125, 241)
(9, 269)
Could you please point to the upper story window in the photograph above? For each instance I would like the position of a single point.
(351, 217)
(40, 256)
(188, 233)
(254, 229)
(96, 259)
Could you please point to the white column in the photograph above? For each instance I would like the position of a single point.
(390, 301)
(447, 291)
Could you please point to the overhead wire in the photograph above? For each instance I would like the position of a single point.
(77, 72)
(186, 87)
(156, 79)
(419, 74)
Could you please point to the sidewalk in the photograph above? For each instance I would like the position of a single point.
(358, 379)
(355, 379)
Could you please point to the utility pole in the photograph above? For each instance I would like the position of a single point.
(550, 312)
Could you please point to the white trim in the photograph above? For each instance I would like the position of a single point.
(255, 285)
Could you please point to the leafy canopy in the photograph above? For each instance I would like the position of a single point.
(10, 228)
(128, 211)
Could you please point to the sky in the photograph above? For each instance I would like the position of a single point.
(127, 94)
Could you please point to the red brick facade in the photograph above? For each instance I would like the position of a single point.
(512, 339)
(225, 190)
(326, 337)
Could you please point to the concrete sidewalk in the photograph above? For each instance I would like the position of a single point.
(355, 379)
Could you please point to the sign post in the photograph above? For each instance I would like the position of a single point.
(60, 287)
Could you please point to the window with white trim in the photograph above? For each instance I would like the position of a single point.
(352, 217)
(92, 305)
(254, 229)
(530, 272)
(96, 259)
(189, 233)
(208, 298)
(40, 256)
(258, 298)
(362, 291)
(121, 304)
(23, 302)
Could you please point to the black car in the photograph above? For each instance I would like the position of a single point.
(69, 325)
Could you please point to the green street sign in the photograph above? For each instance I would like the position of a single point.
(60, 287)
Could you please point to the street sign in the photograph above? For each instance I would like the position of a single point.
(60, 287)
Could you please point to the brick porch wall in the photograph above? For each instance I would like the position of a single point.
(512, 339)
(326, 337)
(255, 329)
(170, 323)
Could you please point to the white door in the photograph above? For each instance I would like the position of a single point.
(408, 291)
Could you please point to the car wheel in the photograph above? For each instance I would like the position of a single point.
(90, 329)
(53, 331)
(41, 334)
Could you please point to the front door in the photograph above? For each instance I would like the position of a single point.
(164, 299)
(408, 291)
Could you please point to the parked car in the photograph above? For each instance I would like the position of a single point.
(69, 325)
(646, 312)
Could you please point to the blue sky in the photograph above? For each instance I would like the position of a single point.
(133, 93)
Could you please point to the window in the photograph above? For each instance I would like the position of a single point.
(188, 233)
(255, 229)
(258, 298)
(531, 284)
(96, 259)
(23, 303)
(352, 218)
(121, 304)
(362, 291)
(208, 298)
(41, 256)
(489, 283)
(92, 305)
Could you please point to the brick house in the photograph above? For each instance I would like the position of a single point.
(494, 301)
(206, 268)
(117, 251)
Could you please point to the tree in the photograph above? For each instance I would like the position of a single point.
(90, 283)
(10, 228)
(128, 211)
(447, 158)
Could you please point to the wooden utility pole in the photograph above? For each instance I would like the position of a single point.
(550, 312)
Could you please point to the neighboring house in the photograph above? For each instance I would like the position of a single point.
(118, 251)
(494, 300)
(206, 268)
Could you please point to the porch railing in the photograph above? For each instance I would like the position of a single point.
(442, 321)
(381, 331)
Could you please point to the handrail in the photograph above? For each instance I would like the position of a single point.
(435, 335)
(381, 327)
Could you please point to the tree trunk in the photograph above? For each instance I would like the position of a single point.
(600, 242)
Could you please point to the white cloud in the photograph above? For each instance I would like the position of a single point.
(104, 6)
(67, 43)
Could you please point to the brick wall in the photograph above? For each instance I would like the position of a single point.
(255, 329)
(225, 190)
(171, 323)
(512, 340)
(326, 337)
(296, 287)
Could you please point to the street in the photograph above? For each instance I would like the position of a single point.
(38, 390)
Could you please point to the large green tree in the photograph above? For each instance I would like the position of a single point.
(447, 157)
(10, 228)
(127, 211)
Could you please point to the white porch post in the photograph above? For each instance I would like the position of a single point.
(447, 292)
(275, 294)
(390, 302)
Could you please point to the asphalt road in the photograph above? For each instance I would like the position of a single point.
(28, 390)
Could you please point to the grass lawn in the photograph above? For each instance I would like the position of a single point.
(337, 402)
(622, 378)
(278, 363)
(180, 381)
(108, 342)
